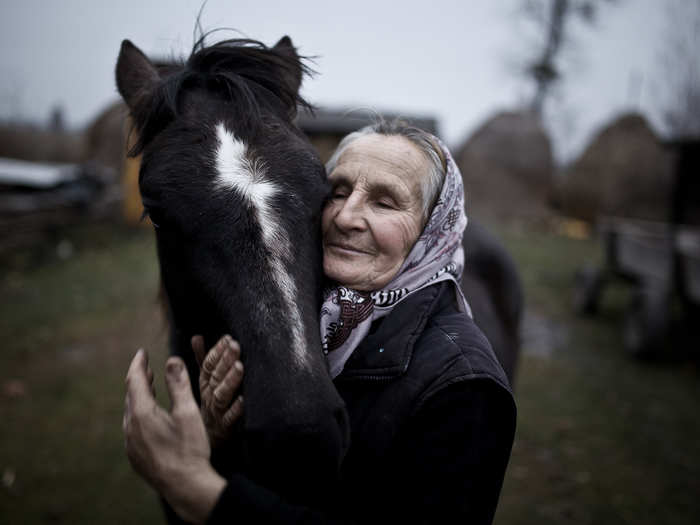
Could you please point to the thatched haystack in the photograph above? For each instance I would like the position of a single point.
(625, 171)
(507, 168)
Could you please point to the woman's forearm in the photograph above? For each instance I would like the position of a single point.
(193, 493)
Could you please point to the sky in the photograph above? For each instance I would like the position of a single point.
(455, 60)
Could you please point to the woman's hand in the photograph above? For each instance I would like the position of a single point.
(220, 376)
(170, 450)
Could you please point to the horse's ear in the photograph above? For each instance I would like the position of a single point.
(292, 74)
(136, 75)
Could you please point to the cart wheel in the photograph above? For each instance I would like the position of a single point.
(588, 283)
(646, 322)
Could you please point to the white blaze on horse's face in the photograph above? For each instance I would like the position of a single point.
(237, 171)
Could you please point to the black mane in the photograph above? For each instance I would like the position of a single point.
(244, 71)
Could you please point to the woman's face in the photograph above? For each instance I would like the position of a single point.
(374, 215)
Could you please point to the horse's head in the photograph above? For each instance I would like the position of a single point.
(235, 191)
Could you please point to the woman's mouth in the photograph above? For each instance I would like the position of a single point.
(346, 248)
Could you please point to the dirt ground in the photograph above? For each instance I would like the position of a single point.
(601, 438)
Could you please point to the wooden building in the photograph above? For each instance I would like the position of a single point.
(324, 127)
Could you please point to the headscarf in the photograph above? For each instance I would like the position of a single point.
(437, 255)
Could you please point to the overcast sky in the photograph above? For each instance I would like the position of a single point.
(455, 60)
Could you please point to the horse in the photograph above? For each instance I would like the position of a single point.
(492, 285)
(235, 191)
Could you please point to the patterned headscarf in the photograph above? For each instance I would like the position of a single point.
(437, 255)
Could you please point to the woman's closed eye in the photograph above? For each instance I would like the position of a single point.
(387, 204)
(339, 193)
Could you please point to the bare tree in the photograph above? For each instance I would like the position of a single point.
(552, 18)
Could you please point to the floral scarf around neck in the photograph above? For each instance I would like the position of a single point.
(437, 255)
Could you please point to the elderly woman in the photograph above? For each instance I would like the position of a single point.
(432, 415)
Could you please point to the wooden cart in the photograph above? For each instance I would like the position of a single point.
(661, 260)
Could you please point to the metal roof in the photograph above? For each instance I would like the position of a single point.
(343, 121)
(40, 175)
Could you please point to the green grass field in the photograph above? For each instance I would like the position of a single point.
(601, 438)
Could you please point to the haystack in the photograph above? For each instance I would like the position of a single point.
(507, 168)
(625, 171)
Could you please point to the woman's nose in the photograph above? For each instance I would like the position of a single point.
(350, 216)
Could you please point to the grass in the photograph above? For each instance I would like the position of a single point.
(69, 329)
(601, 438)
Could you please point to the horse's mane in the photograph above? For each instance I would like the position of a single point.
(244, 71)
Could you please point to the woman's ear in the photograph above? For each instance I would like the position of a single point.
(136, 75)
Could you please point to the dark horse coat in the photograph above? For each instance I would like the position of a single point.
(491, 283)
(235, 192)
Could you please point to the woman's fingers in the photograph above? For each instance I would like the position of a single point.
(139, 400)
(212, 360)
(232, 414)
(219, 361)
(205, 370)
(138, 388)
(220, 378)
(230, 354)
(126, 418)
(158, 442)
(198, 348)
(226, 390)
(219, 372)
(178, 382)
(150, 377)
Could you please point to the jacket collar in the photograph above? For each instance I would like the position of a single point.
(387, 350)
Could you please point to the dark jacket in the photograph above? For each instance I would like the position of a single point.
(432, 422)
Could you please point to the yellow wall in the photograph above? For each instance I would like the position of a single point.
(132, 208)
